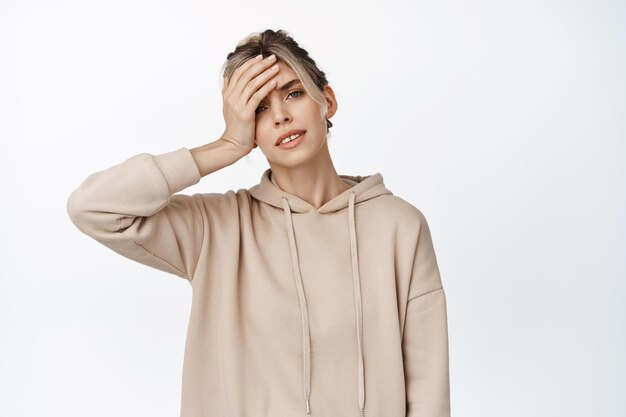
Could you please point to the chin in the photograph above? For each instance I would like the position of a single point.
(299, 156)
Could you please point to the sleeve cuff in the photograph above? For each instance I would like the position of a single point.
(179, 169)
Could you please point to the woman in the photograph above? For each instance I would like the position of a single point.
(313, 293)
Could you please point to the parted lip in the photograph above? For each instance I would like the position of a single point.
(289, 133)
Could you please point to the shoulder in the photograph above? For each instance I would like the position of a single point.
(401, 211)
(216, 201)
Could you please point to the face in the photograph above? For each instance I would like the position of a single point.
(291, 109)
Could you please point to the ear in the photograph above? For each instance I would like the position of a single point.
(331, 101)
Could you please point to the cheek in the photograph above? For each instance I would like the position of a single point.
(261, 123)
(263, 131)
(309, 110)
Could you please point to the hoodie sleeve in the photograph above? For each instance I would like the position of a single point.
(425, 337)
(131, 208)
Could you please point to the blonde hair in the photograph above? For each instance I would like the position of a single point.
(287, 50)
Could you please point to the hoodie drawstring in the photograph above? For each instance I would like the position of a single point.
(357, 300)
(306, 334)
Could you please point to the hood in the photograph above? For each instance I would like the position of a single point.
(363, 188)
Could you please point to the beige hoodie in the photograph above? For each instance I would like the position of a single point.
(337, 311)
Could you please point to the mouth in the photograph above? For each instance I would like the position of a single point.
(289, 136)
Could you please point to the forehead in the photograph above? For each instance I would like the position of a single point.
(285, 74)
(284, 68)
(285, 79)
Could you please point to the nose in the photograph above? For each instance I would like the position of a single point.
(280, 115)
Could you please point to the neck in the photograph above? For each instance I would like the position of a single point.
(315, 181)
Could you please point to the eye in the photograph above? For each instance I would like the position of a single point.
(296, 91)
(299, 92)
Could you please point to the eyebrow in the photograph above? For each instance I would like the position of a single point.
(288, 84)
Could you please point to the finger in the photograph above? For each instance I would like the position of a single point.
(259, 81)
(236, 75)
(251, 72)
(260, 94)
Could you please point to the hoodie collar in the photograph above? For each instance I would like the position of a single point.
(365, 188)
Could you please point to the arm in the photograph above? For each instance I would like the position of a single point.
(133, 209)
(425, 337)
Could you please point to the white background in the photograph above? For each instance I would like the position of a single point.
(504, 122)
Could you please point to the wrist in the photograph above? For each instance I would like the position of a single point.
(236, 146)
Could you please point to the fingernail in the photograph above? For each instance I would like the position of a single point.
(271, 57)
(259, 57)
